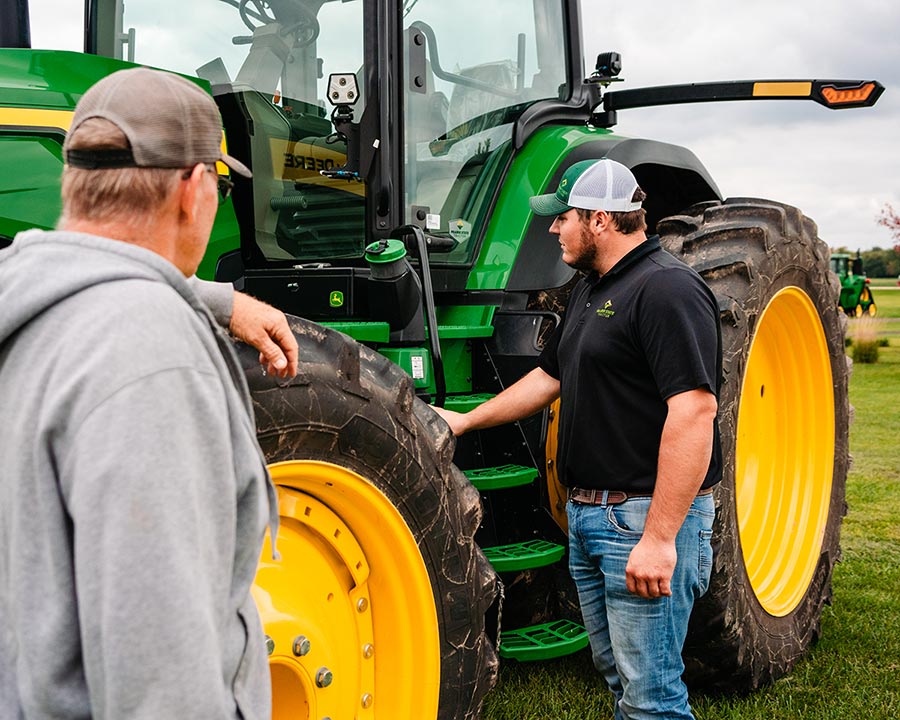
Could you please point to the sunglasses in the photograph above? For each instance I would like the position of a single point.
(225, 185)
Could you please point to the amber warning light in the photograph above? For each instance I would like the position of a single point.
(835, 95)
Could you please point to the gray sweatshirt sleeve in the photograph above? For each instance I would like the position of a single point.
(217, 296)
(153, 507)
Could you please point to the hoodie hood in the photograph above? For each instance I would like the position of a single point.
(36, 272)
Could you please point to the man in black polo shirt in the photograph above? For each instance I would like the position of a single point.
(636, 363)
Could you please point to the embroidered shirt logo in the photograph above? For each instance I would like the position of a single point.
(606, 311)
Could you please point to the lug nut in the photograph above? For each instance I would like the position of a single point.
(368, 650)
(362, 604)
(367, 701)
(324, 677)
(270, 645)
(301, 645)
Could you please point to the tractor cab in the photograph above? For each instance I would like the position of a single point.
(420, 139)
(840, 264)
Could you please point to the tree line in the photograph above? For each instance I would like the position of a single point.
(877, 263)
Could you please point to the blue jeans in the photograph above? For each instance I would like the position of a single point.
(636, 643)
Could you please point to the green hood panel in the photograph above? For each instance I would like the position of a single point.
(529, 174)
(50, 78)
(38, 93)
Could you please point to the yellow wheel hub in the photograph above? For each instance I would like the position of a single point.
(348, 608)
(557, 493)
(785, 451)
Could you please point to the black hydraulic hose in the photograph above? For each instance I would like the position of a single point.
(437, 362)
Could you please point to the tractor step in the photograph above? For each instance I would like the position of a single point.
(524, 556)
(464, 403)
(450, 332)
(543, 642)
(361, 331)
(504, 476)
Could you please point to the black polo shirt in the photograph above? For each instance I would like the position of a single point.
(646, 330)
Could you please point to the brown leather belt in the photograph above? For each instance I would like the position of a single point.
(610, 497)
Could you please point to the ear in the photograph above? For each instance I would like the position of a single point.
(600, 220)
(190, 193)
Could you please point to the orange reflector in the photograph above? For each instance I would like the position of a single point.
(782, 89)
(834, 96)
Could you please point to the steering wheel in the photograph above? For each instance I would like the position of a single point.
(256, 13)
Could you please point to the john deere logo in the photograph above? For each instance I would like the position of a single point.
(336, 299)
(606, 311)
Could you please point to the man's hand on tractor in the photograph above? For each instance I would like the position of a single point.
(457, 421)
(265, 328)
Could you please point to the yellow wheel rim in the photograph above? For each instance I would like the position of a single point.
(872, 310)
(348, 607)
(785, 451)
(555, 489)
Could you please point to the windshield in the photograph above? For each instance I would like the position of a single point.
(472, 68)
(274, 57)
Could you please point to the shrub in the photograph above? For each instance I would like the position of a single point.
(865, 351)
(865, 340)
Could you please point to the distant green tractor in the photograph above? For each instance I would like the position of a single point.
(856, 295)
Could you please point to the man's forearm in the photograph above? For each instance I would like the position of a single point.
(217, 296)
(684, 454)
(529, 395)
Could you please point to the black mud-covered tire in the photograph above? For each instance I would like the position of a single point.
(747, 250)
(351, 407)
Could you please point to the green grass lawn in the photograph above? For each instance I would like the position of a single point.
(853, 673)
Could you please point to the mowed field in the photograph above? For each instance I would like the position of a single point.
(853, 673)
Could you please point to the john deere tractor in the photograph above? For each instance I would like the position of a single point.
(856, 297)
(394, 146)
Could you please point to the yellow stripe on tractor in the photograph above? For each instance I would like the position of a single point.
(36, 118)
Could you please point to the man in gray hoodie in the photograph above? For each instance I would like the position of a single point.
(133, 495)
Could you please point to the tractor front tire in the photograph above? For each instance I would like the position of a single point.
(376, 608)
(783, 421)
(868, 302)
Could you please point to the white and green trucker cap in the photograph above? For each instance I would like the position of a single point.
(590, 185)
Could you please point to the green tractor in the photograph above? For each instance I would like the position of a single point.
(856, 296)
(394, 146)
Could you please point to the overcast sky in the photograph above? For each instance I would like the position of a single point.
(839, 167)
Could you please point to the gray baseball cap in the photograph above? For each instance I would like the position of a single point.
(590, 185)
(169, 121)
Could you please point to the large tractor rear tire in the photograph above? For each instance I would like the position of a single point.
(376, 608)
(783, 419)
